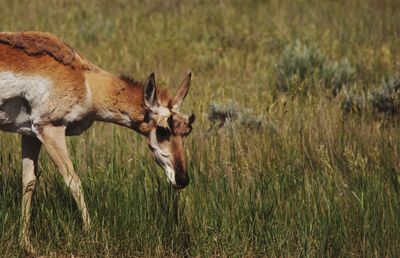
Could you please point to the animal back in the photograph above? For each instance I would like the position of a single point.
(42, 43)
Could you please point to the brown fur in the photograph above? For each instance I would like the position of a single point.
(179, 156)
(68, 83)
(180, 125)
(83, 93)
(163, 96)
(133, 93)
(68, 70)
(43, 43)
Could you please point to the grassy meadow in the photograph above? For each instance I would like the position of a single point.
(318, 177)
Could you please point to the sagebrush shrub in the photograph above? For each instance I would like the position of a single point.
(336, 74)
(299, 62)
(353, 102)
(223, 114)
(386, 99)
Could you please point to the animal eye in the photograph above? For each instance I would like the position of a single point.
(163, 133)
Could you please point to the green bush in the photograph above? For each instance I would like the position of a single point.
(221, 115)
(336, 74)
(386, 99)
(353, 102)
(383, 100)
(300, 62)
(297, 62)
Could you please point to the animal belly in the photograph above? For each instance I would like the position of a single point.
(78, 127)
(15, 116)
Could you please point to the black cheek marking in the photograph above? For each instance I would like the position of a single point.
(163, 133)
(146, 117)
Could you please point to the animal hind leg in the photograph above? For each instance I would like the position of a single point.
(53, 139)
(30, 153)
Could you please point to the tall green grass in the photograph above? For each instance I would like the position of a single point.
(323, 184)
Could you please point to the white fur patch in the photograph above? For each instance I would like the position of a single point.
(15, 89)
(171, 175)
(78, 111)
(162, 113)
(160, 110)
(162, 158)
(88, 100)
(35, 89)
(108, 116)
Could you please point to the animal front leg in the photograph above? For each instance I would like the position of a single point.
(53, 139)
(30, 153)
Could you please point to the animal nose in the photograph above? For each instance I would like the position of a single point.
(182, 180)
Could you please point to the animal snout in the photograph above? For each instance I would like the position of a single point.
(182, 180)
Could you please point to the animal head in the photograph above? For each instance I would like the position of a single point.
(168, 130)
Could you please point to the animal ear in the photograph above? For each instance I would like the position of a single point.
(191, 119)
(181, 93)
(150, 98)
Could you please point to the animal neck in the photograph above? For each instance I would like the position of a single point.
(117, 101)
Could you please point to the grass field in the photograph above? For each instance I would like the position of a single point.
(313, 181)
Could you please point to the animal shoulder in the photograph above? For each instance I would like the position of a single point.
(43, 43)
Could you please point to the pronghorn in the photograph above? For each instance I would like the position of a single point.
(48, 91)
